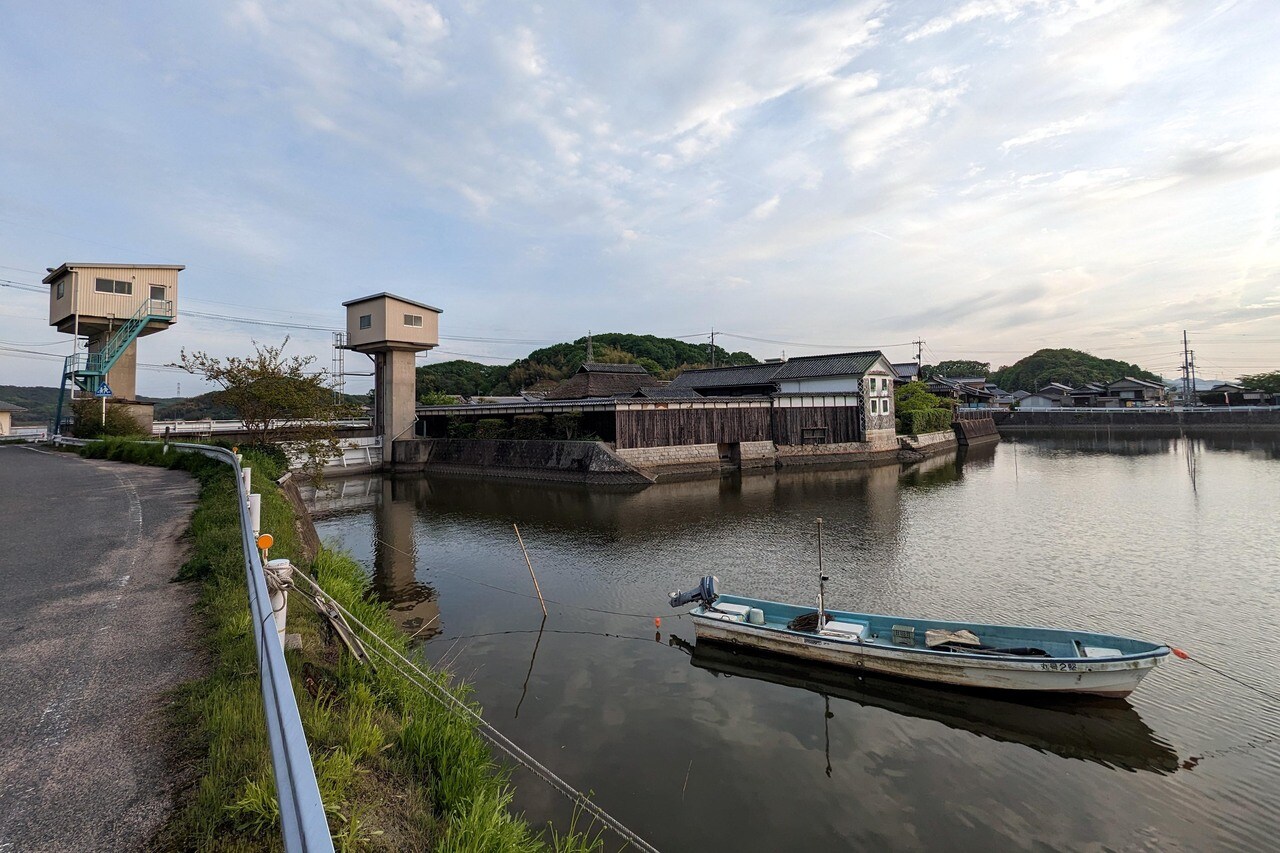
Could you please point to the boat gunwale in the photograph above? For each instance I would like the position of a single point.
(1161, 650)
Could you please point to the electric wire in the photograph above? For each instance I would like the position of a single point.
(415, 675)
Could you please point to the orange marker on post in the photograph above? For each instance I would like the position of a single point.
(265, 541)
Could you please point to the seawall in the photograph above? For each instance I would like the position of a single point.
(1154, 422)
(586, 462)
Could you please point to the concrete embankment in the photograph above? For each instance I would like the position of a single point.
(929, 443)
(1154, 422)
(587, 462)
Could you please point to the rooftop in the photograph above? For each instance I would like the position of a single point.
(58, 272)
(10, 407)
(601, 367)
(405, 299)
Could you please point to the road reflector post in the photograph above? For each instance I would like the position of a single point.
(247, 475)
(255, 514)
(265, 541)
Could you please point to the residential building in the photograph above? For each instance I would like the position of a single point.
(1128, 391)
(7, 411)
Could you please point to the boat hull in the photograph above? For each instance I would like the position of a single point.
(1111, 678)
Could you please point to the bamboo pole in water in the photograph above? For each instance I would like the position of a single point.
(525, 551)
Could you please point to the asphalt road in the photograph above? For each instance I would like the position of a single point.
(92, 636)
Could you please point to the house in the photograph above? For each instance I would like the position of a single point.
(596, 380)
(1232, 394)
(1040, 401)
(907, 371)
(747, 380)
(968, 392)
(1127, 392)
(7, 411)
(1087, 395)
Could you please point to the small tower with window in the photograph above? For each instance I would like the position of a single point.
(391, 329)
(110, 306)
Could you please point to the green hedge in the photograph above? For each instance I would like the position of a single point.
(924, 420)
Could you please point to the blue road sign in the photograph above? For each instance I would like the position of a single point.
(104, 390)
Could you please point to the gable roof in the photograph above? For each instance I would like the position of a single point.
(663, 392)
(906, 369)
(591, 384)
(839, 364)
(727, 377)
(601, 367)
(1057, 386)
(374, 296)
(10, 407)
(1142, 382)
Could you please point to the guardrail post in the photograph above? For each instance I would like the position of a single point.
(245, 474)
(255, 514)
(279, 575)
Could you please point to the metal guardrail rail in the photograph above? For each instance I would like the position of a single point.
(303, 824)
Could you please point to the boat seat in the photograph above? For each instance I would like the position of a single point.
(729, 612)
(839, 630)
(1101, 652)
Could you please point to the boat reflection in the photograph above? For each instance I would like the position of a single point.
(1103, 731)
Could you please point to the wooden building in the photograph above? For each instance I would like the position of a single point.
(595, 380)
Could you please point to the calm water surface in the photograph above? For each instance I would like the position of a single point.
(696, 748)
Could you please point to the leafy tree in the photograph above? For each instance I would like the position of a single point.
(914, 397)
(278, 397)
(1269, 382)
(1068, 366)
(87, 420)
(955, 369)
(435, 398)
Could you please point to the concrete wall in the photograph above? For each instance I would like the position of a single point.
(929, 442)
(701, 457)
(553, 461)
(1153, 421)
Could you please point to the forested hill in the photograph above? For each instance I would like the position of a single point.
(1068, 366)
(542, 369)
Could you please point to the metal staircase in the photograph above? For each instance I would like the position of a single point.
(87, 370)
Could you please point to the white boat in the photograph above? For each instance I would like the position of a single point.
(1001, 657)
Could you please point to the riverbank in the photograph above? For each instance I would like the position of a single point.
(1138, 422)
(396, 770)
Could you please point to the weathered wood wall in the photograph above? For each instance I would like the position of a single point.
(842, 424)
(667, 427)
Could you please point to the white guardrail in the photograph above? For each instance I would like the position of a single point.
(208, 426)
(303, 825)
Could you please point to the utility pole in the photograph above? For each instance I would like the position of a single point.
(919, 352)
(1186, 371)
(590, 349)
(713, 346)
(1195, 395)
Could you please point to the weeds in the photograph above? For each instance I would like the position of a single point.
(396, 769)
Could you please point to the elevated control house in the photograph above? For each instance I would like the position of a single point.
(111, 306)
(390, 329)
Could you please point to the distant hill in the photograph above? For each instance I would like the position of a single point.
(546, 367)
(41, 404)
(1068, 366)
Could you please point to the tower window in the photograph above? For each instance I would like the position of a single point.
(413, 320)
(366, 321)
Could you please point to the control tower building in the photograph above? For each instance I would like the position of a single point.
(110, 306)
(391, 329)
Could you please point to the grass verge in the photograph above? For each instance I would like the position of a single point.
(396, 769)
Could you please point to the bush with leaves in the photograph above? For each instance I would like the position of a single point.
(491, 428)
(529, 427)
(88, 420)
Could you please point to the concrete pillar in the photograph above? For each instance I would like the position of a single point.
(396, 396)
(123, 376)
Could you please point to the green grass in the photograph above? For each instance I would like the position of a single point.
(396, 769)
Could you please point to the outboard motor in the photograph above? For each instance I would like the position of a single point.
(704, 592)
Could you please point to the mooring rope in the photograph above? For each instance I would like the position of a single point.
(534, 597)
(416, 676)
(1179, 653)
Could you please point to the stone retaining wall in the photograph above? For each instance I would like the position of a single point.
(929, 442)
(590, 462)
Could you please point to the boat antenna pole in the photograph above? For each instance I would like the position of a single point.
(822, 604)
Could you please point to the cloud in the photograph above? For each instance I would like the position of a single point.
(1047, 131)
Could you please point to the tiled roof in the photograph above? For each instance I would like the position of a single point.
(10, 407)
(725, 377)
(906, 369)
(601, 367)
(587, 385)
(840, 364)
(665, 392)
(1138, 382)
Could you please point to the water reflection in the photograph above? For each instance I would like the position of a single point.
(1106, 732)
(395, 578)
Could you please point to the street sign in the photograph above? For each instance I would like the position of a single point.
(104, 390)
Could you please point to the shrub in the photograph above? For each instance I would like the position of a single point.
(461, 429)
(529, 427)
(925, 420)
(89, 423)
(566, 426)
(491, 428)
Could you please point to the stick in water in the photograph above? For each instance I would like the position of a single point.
(536, 588)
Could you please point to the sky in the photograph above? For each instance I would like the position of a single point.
(991, 177)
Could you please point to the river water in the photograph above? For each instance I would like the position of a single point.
(696, 748)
